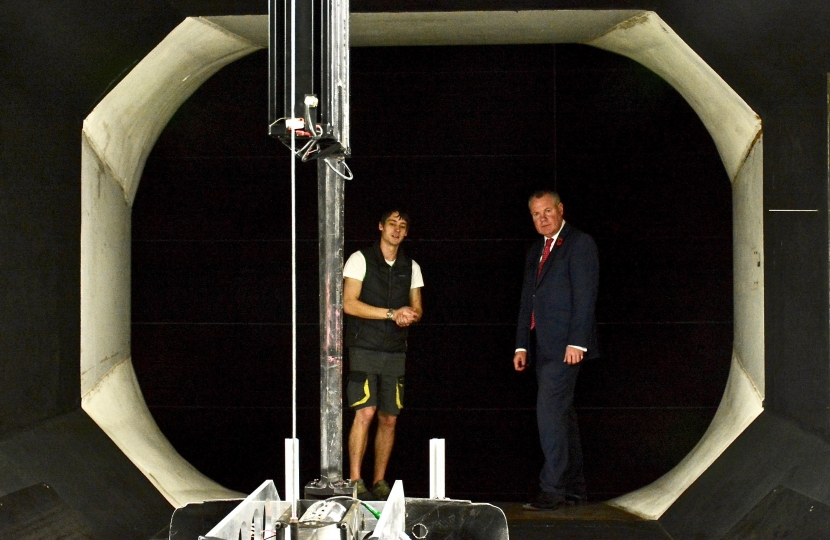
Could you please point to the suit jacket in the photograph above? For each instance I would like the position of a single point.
(564, 296)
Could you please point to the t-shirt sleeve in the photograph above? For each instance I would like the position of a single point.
(417, 277)
(355, 267)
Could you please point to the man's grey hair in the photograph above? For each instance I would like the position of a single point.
(541, 193)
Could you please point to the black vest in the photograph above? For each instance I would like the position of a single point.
(383, 286)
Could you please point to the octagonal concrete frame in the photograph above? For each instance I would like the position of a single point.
(120, 132)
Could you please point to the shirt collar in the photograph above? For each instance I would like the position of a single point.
(555, 236)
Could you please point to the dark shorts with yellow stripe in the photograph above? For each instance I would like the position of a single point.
(376, 380)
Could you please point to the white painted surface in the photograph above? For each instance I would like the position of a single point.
(736, 131)
(292, 473)
(117, 406)
(124, 126)
(105, 269)
(253, 28)
(729, 120)
(482, 27)
(748, 261)
(437, 484)
(117, 138)
(120, 132)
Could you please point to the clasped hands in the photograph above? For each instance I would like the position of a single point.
(405, 316)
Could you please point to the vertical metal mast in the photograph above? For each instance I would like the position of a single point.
(319, 122)
(330, 204)
(330, 197)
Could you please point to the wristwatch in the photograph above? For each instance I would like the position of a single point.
(390, 314)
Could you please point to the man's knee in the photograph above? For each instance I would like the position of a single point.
(365, 415)
(386, 419)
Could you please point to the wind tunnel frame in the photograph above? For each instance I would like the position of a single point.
(120, 132)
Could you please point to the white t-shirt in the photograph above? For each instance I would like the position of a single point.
(355, 268)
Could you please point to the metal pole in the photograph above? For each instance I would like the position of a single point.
(330, 212)
(328, 143)
(330, 195)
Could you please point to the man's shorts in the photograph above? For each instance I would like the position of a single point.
(376, 380)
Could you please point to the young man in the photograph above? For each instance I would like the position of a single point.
(381, 298)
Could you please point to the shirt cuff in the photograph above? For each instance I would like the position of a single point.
(583, 349)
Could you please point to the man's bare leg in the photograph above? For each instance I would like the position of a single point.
(384, 440)
(358, 437)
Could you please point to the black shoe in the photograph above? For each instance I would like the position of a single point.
(546, 501)
(575, 500)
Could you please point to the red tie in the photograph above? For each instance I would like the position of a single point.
(545, 254)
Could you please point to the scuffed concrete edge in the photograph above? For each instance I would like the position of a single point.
(135, 432)
(482, 27)
(648, 40)
(124, 126)
(739, 406)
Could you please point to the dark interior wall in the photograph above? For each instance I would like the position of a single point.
(56, 61)
(772, 455)
(624, 179)
(39, 241)
(54, 67)
(460, 136)
(774, 55)
(101, 493)
(777, 60)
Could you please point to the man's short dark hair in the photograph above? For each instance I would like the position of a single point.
(402, 213)
(541, 193)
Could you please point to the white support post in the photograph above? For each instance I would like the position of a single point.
(292, 473)
(436, 469)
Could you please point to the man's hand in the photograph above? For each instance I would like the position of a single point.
(573, 355)
(520, 360)
(405, 316)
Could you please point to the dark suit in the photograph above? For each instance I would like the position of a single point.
(562, 300)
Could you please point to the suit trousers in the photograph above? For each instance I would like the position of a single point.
(558, 428)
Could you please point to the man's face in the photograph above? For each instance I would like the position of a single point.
(393, 230)
(546, 214)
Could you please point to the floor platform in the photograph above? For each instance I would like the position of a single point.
(591, 521)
